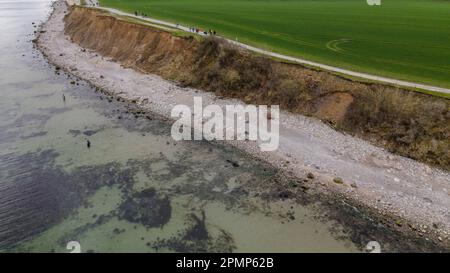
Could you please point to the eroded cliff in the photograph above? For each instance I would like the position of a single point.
(407, 123)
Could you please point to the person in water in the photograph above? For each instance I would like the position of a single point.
(88, 143)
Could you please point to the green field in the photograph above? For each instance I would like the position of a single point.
(402, 39)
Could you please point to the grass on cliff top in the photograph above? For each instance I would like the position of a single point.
(402, 39)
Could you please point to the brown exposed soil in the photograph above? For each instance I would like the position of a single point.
(410, 124)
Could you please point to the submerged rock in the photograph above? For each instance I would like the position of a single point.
(147, 208)
(338, 180)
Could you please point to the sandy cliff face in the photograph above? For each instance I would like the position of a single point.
(133, 45)
(410, 124)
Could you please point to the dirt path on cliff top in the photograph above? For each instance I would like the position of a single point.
(393, 185)
(401, 83)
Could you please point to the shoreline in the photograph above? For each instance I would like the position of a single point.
(395, 188)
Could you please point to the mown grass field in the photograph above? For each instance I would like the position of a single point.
(402, 39)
